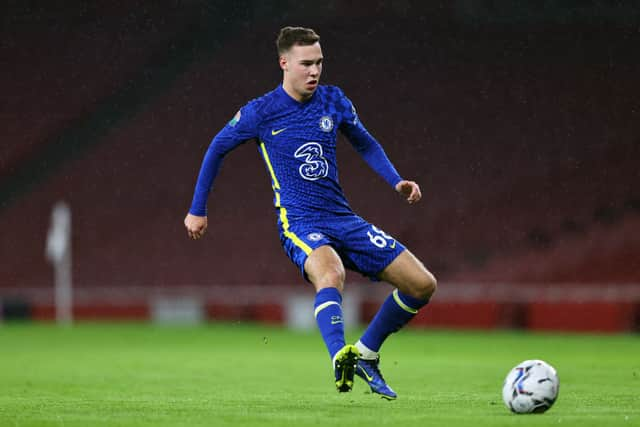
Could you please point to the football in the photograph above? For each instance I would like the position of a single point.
(531, 387)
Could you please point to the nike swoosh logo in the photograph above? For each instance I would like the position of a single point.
(275, 132)
(366, 374)
(335, 322)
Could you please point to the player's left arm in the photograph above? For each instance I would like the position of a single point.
(377, 159)
(373, 153)
(410, 190)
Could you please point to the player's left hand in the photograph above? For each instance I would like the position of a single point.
(410, 190)
(196, 225)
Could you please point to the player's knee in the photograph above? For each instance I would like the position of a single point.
(332, 277)
(425, 287)
(429, 285)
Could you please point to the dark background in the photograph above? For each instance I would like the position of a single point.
(519, 119)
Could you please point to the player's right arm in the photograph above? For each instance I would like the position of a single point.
(240, 129)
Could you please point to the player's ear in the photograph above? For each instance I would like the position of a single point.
(283, 63)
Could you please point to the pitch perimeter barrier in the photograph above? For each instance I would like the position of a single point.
(573, 308)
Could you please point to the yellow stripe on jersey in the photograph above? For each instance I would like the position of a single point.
(276, 184)
(283, 212)
(285, 226)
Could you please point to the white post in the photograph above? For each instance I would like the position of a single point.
(58, 252)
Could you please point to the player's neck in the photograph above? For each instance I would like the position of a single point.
(293, 94)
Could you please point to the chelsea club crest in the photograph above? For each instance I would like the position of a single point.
(326, 124)
(314, 237)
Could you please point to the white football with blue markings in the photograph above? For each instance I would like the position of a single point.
(530, 387)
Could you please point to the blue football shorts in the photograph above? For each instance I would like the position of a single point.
(362, 246)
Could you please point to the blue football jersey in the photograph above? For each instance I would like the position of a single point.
(297, 141)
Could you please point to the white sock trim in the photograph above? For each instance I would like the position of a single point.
(366, 352)
(323, 306)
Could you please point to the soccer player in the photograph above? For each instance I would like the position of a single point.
(295, 127)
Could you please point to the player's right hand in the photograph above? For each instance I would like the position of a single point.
(196, 226)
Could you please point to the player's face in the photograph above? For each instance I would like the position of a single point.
(302, 66)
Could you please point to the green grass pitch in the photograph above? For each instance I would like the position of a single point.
(248, 375)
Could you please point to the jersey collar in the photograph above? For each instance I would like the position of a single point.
(290, 101)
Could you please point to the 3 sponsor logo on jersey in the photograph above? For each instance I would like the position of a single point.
(315, 166)
(326, 123)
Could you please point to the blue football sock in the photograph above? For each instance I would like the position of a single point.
(395, 312)
(328, 313)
